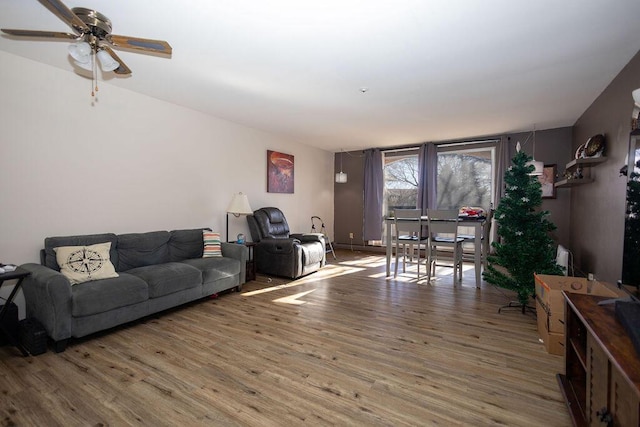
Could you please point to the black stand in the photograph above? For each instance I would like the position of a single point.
(18, 274)
(518, 305)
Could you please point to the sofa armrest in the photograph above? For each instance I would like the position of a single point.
(239, 252)
(47, 294)
(309, 237)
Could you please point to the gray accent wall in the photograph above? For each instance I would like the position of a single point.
(597, 209)
(349, 199)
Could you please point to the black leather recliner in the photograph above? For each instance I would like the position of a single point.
(280, 253)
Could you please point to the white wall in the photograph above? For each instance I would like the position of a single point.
(131, 163)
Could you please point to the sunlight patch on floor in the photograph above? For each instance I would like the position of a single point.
(367, 262)
(443, 274)
(293, 299)
(329, 271)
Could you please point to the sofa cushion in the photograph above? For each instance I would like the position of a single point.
(164, 279)
(89, 239)
(211, 241)
(215, 268)
(99, 296)
(83, 263)
(141, 249)
(185, 244)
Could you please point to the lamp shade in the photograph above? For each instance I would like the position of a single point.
(239, 205)
(341, 177)
(85, 65)
(81, 52)
(107, 63)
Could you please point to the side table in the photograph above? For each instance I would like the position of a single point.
(18, 274)
(251, 263)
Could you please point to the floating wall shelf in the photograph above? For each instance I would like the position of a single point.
(584, 162)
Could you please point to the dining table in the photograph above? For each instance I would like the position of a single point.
(477, 223)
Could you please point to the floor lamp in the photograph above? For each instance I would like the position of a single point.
(239, 206)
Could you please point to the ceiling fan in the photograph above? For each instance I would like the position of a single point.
(92, 34)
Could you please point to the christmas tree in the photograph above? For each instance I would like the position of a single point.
(525, 246)
(631, 253)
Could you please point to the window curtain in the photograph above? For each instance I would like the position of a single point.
(373, 194)
(427, 177)
(505, 153)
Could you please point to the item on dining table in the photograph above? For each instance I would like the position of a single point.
(472, 211)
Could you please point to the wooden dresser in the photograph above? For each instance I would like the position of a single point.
(601, 384)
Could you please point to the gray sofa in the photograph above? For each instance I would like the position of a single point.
(156, 271)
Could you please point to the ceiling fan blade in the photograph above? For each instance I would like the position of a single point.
(46, 34)
(147, 45)
(122, 69)
(64, 13)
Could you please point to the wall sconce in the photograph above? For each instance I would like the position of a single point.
(239, 206)
(341, 177)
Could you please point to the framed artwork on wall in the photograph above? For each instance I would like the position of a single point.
(279, 172)
(547, 181)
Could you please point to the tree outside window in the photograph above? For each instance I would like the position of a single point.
(400, 182)
(465, 178)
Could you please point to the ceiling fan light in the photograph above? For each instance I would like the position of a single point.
(85, 65)
(81, 52)
(107, 63)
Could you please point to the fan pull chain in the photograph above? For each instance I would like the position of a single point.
(94, 76)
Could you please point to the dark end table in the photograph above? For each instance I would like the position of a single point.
(251, 263)
(18, 274)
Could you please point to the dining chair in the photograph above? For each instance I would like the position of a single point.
(468, 245)
(408, 225)
(444, 242)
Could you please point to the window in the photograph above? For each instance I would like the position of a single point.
(465, 176)
(400, 180)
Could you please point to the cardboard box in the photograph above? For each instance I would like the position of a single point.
(550, 304)
(553, 342)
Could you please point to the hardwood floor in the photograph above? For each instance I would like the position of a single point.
(344, 346)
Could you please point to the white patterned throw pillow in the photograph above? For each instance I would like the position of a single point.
(83, 263)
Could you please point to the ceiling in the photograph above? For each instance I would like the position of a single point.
(354, 74)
